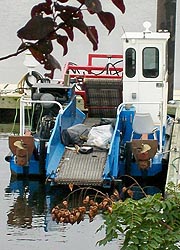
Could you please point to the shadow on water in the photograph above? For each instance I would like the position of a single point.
(26, 220)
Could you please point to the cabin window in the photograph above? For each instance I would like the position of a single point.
(130, 62)
(150, 62)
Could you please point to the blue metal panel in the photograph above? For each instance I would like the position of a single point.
(32, 169)
(122, 133)
(154, 169)
(55, 150)
(116, 166)
(126, 119)
(111, 167)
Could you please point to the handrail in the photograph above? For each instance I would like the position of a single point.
(109, 70)
(99, 56)
(25, 102)
(120, 107)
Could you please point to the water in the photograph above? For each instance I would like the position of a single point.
(26, 221)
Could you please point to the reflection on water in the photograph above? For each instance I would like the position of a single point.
(20, 214)
(26, 221)
(29, 199)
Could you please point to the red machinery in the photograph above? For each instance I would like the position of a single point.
(99, 86)
(109, 71)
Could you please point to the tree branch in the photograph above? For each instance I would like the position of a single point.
(14, 54)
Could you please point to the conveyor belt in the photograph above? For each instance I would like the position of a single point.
(81, 169)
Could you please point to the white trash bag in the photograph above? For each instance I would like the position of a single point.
(100, 136)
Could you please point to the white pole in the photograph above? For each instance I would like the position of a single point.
(22, 117)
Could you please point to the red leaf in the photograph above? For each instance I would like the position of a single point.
(68, 12)
(119, 4)
(37, 55)
(51, 63)
(42, 7)
(107, 20)
(49, 2)
(69, 31)
(52, 36)
(50, 75)
(36, 28)
(79, 24)
(62, 40)
(44, 46)
(93, 6)
(93, 36)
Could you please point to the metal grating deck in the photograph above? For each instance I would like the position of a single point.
(82, 169)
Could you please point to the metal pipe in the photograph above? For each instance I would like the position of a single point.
(25, 102)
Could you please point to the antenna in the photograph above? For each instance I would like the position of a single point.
(125, 34)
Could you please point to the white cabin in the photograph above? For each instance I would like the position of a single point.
(145, 71)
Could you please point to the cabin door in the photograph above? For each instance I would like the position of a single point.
(151, 79)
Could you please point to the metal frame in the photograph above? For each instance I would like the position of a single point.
(24, 102)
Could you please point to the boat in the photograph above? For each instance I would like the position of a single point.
(121, 138)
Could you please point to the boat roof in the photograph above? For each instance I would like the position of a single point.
(147, 33)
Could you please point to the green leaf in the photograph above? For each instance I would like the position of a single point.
(149, 223)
